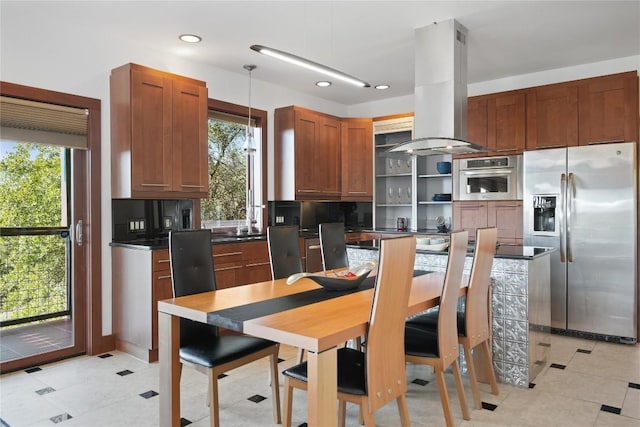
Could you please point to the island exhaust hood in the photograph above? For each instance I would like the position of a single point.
(440, 116)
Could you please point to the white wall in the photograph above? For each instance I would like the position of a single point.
(81, 67)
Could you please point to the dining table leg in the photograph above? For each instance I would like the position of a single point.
(322, 388)
(169, 359)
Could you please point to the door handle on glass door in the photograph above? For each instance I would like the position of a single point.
(570, 191)
(563, 193)
(79, 233)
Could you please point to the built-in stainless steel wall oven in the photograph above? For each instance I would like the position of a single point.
(488, 178)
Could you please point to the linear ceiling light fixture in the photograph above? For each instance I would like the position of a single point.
(310, 65)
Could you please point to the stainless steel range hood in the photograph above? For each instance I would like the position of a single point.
(440, 116)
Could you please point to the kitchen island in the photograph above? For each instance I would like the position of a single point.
(520, 309)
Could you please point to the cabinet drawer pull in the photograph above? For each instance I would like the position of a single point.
(358, 192)
(313, 247)
(502, 150)
(257, 264)
(164, 277)
(228, 254)
(154, 185)
(228, 268)
(163, 261)
(308, 191)
(191, 186)
(506, 206)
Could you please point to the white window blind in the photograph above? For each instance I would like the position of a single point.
(41, 123)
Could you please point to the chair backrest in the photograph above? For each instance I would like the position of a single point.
(191, 259)
(386, 375)
(447, 314)
(333, 246)
(477, 304)
(284, 251)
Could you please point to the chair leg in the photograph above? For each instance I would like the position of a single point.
(300, 355)
(463, 400)
(213, 399)
(342, 413)
(403, 410)
(369, 420)
(444, 398)
(473, 379)
(275, 386)
(288, 402)
(489, 367)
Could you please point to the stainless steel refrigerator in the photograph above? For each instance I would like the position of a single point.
(583, 201)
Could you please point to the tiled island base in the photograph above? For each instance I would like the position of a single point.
(520, 310)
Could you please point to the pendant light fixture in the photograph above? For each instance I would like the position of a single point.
(250, 149)
(308, 64)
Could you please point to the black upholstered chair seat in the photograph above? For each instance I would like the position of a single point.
(429, 321)
(218, 350)
(421, 342)
(351, 372)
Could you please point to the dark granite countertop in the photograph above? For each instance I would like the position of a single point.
(163, 242)
(502, 251)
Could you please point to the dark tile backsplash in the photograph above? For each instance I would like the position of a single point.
(356, 215)
(144, 219)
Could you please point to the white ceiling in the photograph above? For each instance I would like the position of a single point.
(372, 40)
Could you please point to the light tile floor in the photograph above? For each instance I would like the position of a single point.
(591, 384)
(28, 340)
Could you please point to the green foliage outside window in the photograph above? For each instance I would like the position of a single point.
(227, 173)
(32, 268)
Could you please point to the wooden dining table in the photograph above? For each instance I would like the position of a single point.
(297, 315)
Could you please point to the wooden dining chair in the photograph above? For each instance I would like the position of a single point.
(439, 348)
(333, 245)
(284, 251)
(201, 347)
(374, 378)
(473, 324)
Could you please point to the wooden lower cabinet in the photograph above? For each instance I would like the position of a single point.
(505, 215)
(141, 278)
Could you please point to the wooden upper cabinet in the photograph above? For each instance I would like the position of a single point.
(158, 134)
(496, 122)
(608, 109)
(477, 120)
(307, 156)
(357, 159)
(506, 123)
(552, 116)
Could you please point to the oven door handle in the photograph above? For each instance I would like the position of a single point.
(488, 172)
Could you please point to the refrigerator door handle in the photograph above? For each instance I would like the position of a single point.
(570, 191)
(563, 193)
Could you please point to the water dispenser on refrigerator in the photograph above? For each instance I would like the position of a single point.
(544, 214)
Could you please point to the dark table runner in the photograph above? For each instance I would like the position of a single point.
(233, 318)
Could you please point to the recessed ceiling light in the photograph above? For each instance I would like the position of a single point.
(323, 83)
(382, 87)
(190, 38)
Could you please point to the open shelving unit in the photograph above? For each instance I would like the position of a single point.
(405, 184)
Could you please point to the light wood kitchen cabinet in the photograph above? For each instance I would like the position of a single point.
(307, 155)
(608, 109)
(357, 159)
(505, 215)
(468, 216)
(552, 116)
(158, 134)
